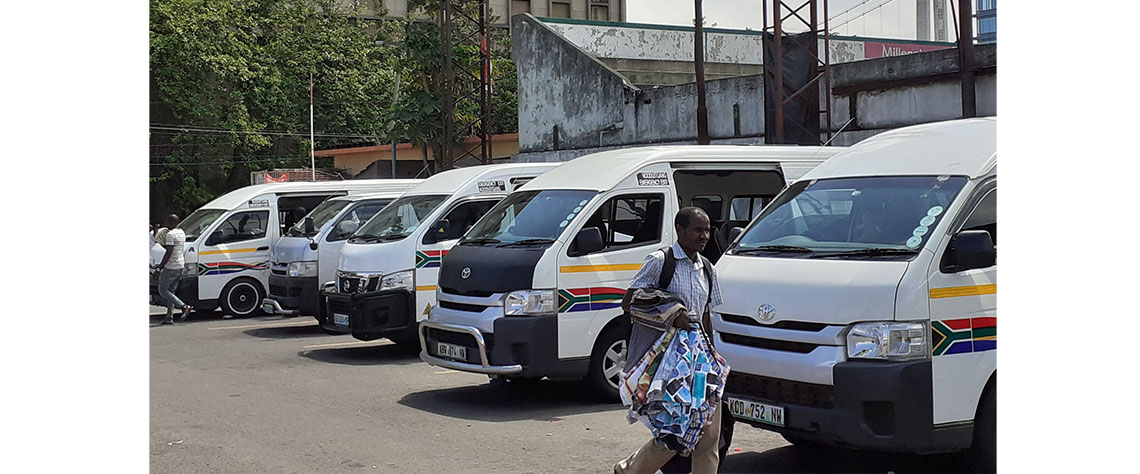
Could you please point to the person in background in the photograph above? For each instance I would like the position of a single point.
(170, 269)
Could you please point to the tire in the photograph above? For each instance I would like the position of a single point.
(408, 345)
(606, 362)
(242, 297)
(982, 454)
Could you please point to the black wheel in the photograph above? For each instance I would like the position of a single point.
(982, 454)
(606, 363)
(242, 297)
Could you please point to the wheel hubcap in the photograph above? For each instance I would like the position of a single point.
(613, 362)
(242, 298)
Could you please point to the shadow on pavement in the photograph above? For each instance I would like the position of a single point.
(545, 400)
(797, 460)
(390, 354)
(287, 332)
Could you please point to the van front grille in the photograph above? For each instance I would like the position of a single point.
(784, 392)
(772, 344)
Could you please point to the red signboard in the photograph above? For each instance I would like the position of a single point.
(874, 49)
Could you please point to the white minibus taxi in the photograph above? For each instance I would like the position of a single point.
(308, 254)
(228, 240)
(859, 307)
(386, 279)
(535, 288)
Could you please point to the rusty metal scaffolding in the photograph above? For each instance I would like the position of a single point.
(463, 26)
(820, 85)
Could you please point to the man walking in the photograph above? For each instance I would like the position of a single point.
(170, 273)
(694, 281)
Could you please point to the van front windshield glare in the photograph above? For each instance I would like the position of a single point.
(198, 221)
(526, 217)
(324, 212)
(398, 219)
(874, 217)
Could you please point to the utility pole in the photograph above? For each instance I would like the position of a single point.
(966, 57)
(699, 64)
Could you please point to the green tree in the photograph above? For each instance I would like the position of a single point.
(230, 90)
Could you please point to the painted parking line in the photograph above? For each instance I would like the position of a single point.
(273, 325)
(449, 372)
(351, 344)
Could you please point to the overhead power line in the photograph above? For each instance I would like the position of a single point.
(856, 17)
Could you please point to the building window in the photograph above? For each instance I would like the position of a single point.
(520, 6)
(560, 9)
(600, 12)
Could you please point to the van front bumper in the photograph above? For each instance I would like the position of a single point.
(373, 315)
(293, 295)
(886, 406)
(525, 346)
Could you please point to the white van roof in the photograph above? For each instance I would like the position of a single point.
(453, 180)
(370, 195)
(965, 147)
(239, 196)
(605, 170)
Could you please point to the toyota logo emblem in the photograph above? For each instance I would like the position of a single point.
(465, 273)
(344, 285)
(766, 312)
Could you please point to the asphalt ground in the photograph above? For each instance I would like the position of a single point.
(273, 394)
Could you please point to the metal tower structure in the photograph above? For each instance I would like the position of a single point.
(463, 27)
(791, 94)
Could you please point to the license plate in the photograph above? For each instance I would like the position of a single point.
(763, 412)
(451, 351)
(340, 319)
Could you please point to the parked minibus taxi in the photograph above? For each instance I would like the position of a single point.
(228, 240)
(534, 288)
(859, 307)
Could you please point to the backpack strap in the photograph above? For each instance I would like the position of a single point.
(667, 269)
(708, 278)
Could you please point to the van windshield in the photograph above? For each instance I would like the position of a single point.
(399, 219)
(879, 217)
(528, 216)
(324, 212)
(198, 221)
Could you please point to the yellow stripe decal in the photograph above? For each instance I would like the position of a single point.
(426, 288)
(957, 291)
(227, 251)
(619, 267)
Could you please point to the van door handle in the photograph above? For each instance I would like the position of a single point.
(263, 248)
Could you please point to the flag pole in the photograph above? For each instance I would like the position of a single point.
(312, 140)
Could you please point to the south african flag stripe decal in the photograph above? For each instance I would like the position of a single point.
(589, 299)
(960, 336)
(429, 258)
(225, 268)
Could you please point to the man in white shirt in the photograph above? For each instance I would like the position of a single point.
(174, 241)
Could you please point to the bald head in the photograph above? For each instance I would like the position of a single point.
(172, 221)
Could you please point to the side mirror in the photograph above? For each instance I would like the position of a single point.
(437, 232)
(309, 226)
(588, 240)
(971, 249)
(312, 245)
(215, 238)
(734, 233)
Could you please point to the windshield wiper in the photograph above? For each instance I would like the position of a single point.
(481, 241)
(363, 237)
(772, 248)
(528, 242)
(869, 252)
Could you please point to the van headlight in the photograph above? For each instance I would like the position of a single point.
(888, 341)
(398, 280)
(303, 269)
(528, 302)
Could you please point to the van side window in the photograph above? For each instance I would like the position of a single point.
(241, 226)
(353, 219)
(629, 220)
(711, 204)
(462, 217)
(984, 217)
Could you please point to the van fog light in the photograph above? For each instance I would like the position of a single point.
(888, 341)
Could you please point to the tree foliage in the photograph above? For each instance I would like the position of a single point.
(231, 77)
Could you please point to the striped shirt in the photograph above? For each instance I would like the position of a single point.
(688, 283)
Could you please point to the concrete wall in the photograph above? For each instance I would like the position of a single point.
(596, 108)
